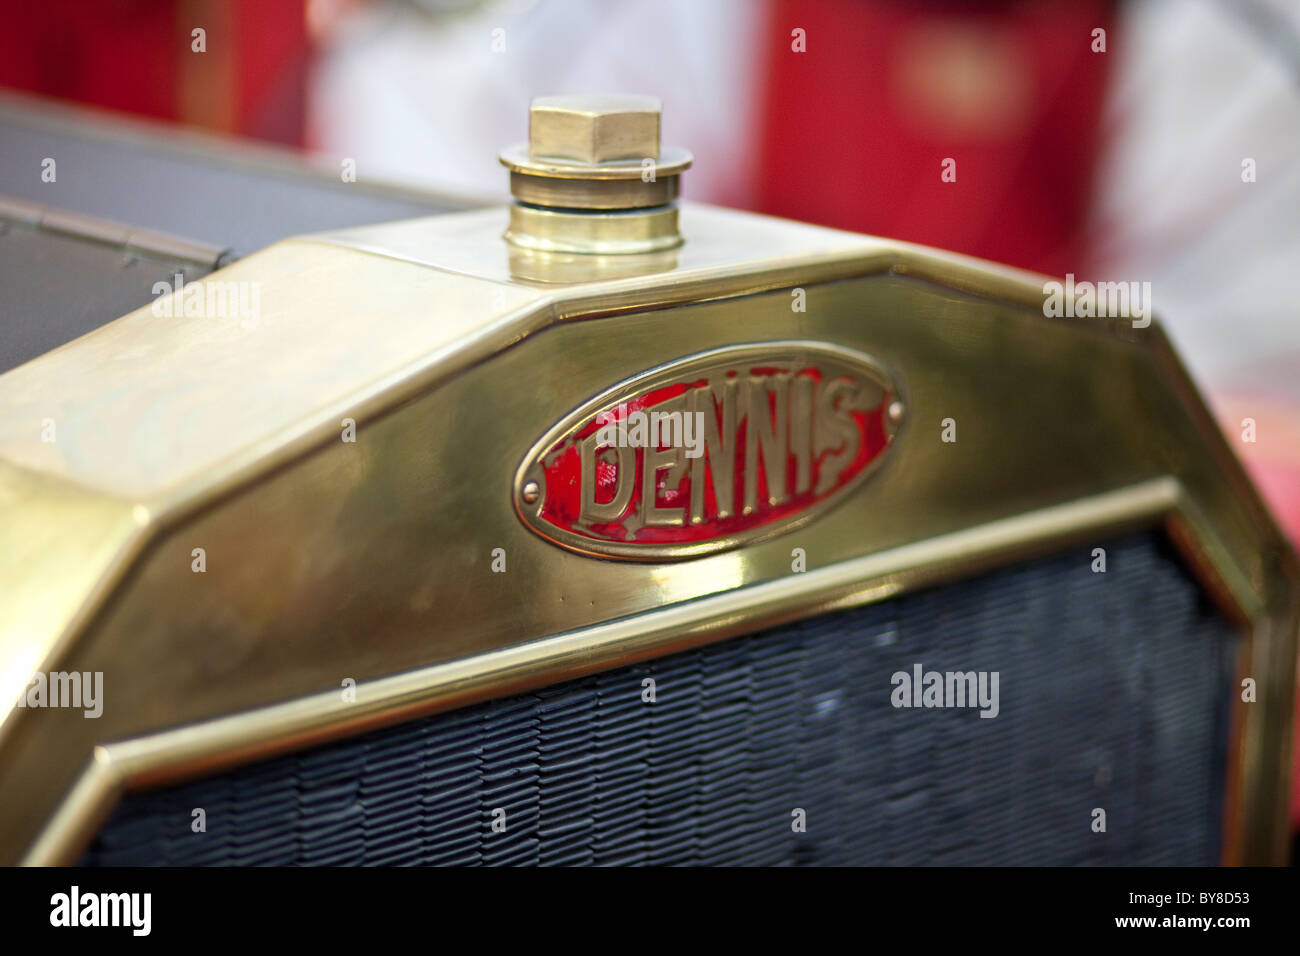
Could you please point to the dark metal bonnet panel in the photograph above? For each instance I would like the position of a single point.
(199, 186)
(133, 203)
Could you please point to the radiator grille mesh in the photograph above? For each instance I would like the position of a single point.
(1113, 694)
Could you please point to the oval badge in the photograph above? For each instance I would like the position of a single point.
(710, 451)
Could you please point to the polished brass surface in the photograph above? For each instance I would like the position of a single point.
(593, 193)
(563, 268)
(594, 127)
(631, 231)
(672, 161)
(451, 352)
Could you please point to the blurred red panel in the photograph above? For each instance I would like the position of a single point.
(119, 55)
(137, 56)
(856, 128)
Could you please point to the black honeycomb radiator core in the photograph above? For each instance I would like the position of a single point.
(1113, 694)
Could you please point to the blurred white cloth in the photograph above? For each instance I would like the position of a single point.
(1200, 86)
(421, 97)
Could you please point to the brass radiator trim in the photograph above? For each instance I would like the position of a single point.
(208, 748)
(1055, 414)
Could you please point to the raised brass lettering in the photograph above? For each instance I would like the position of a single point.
(592, 511)
(768, 432)
(720, 449)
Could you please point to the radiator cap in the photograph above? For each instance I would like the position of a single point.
(593, 178)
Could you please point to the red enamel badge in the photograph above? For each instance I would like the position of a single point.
(710, 451)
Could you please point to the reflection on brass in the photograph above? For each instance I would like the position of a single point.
(671, 161)
(593, 127)
(593, 193)
(185, 432)
(606, 233)
(551, 268)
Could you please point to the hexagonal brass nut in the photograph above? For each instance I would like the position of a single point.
(594, 128)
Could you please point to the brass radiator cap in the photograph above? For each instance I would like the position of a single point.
(593, 178)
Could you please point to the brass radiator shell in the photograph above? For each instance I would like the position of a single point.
(372, 560)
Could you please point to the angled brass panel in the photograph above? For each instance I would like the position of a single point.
(63, 543)
(373, 560)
